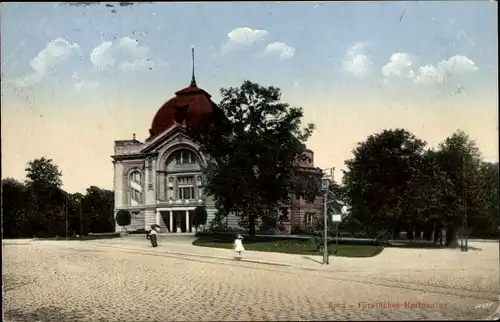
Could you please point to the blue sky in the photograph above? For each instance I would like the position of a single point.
(83, 76)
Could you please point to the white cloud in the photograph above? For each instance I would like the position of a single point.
(280, 49)
(126, 54)
(403, 65)
(48, 59)
(429, 74)
(356, 61)
(457, 64)
(400, 65)
(445, 69)
(243, 37)
(101, 55)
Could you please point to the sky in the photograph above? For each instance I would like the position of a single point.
(77, 78)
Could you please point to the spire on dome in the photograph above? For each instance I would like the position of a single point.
(193, 80)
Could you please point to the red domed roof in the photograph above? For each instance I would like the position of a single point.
(191, 101)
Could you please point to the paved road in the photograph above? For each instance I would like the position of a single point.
(78, 281)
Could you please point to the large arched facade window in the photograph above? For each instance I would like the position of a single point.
(136, 184)
(184, 156)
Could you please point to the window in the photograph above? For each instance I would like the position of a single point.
(185, 157)
(136, 177)
(135, 184)
(186, 187)
(186, 193)
(185, 181)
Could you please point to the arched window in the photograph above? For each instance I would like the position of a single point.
(185, 156)
(135, 183)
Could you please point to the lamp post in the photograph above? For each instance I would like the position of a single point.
(325, 185)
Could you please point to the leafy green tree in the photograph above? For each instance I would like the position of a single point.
(123, 218)
(98, 210)
(485, 224)
(376, 180)
(13, 212)
(200, 216)
(426, 194)
(460, 159)
(75, 214)
(43, 171)
(252, 148)
(46, 202)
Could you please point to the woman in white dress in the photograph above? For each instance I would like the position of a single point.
(238, 245)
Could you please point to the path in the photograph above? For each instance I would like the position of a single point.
(124, 280)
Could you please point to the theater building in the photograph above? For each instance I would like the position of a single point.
(159, 180)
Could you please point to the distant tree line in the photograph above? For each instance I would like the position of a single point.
(39, 207)
(394, 183)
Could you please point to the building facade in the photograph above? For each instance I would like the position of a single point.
(159, 181)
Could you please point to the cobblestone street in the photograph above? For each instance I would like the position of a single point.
(78, 281)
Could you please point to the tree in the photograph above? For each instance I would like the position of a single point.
(376, 180)
(43, 171)
(123, 218)
(253, 148)
(13, 213)
(460, 159)
(98, 210)
(75, 214)
(200, 216)
(486, 222)
(426, 196)
(46, 202)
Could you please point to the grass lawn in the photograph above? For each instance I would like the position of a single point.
(299, 247)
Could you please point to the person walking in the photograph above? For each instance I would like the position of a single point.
(238, 245)
(153, 236)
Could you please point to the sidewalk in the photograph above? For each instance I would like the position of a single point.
(177, 248)
(391, 259)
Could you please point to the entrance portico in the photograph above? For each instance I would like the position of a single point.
(175, 219)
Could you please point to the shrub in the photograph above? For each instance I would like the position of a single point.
(123, 218)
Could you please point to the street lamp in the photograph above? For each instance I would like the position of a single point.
(325, 185)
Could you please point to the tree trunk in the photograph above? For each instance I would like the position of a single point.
(427, 232)
(251, 225)
(396, 232)
(451, 236)
(437, 233)
(409, 233)
(418, 233)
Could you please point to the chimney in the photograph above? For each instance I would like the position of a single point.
(133, 136)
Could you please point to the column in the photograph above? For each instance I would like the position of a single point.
(145, 190)
(158, 217)
(118, 184)
(187, 222)
(171, 221)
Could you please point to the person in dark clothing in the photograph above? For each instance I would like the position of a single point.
(153, 236)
